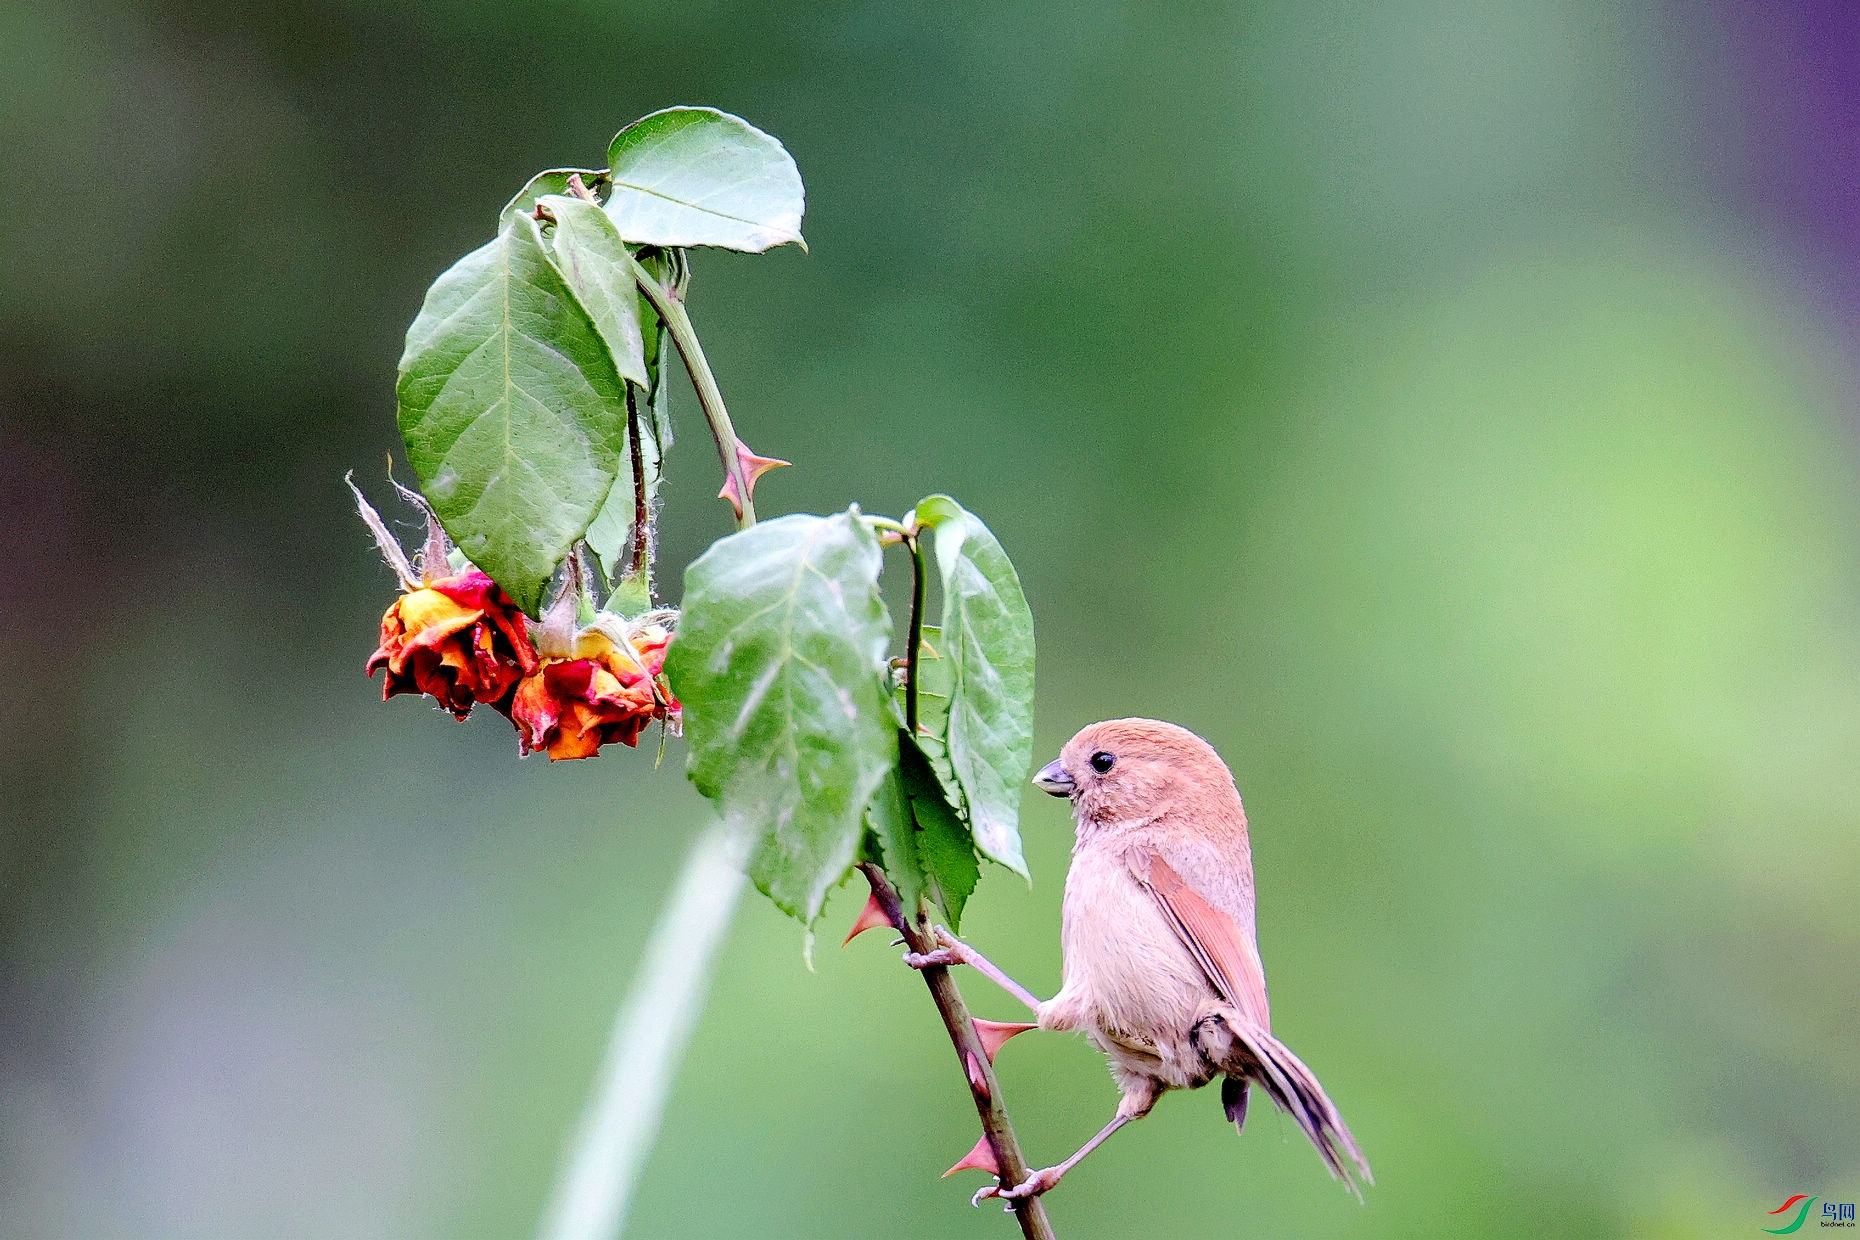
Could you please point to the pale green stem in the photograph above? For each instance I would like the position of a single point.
(672, 313)
(610, 1149)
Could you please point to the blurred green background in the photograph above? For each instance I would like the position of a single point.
(1444, 406)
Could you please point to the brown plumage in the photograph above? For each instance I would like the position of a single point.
(1162, 971)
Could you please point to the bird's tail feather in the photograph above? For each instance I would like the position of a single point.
(1233, 1099)
(1296, 1091)
(1255, 1056)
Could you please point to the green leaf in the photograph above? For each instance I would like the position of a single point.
(987, 636)
(945, 850)
(659, 265)
(594, 261)
(512, 410)
(697, 176)
(661, 385)
(933, 673)
(779, 662)
(554, 181)
(889, 817)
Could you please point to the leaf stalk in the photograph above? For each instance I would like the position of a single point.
(642, 513)
(914, 638)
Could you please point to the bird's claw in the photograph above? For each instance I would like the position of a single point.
(1037, 1182)
(949, 951)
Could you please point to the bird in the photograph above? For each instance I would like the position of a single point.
(1161, 967)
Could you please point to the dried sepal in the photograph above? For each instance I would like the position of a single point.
(453, 634)
(385, 541)
(435, 558)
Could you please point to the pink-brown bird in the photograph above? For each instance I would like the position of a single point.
(1162, 969)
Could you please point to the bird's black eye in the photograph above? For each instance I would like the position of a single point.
(1102, 762)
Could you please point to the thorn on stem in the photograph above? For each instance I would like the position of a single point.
(753, 467)
(993, 1034)
(871, 917)
(981, 1158)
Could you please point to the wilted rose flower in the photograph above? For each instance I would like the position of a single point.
(604, 684)
(459, 639)
(456, 637)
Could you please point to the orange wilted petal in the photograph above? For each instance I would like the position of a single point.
(981, 1158)
(459, 639)
(871, 917)
(605, 691)
(753, 467)
(994, 1033)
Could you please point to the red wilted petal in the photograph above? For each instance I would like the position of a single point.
(571, 707)
(981, 1158)
(467, 589)
(753, 467)
(569, 678)
(993, 1034)
(426, 640)
(536, 712)
(460, 641)
(871, 917)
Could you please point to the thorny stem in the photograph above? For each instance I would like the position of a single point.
(673, 315)
(970, 1055)
(642, 529)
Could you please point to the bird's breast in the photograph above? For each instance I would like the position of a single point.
(1127, 975)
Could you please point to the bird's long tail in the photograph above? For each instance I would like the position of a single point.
(1254, 1056)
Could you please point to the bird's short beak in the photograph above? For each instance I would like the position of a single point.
(1053, 779)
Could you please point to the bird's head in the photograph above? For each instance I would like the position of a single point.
(1129, 771)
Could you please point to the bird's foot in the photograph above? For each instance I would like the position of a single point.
(1037, 1182)
(950, 951)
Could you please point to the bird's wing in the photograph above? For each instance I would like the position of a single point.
(1225, 952)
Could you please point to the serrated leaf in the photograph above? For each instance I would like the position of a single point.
(933, 673)
(552, 181)
(512, 410)
(945, 851)
(594, 262)
(779, 661)
(892, 826)
(697, 176)
(987, 634)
